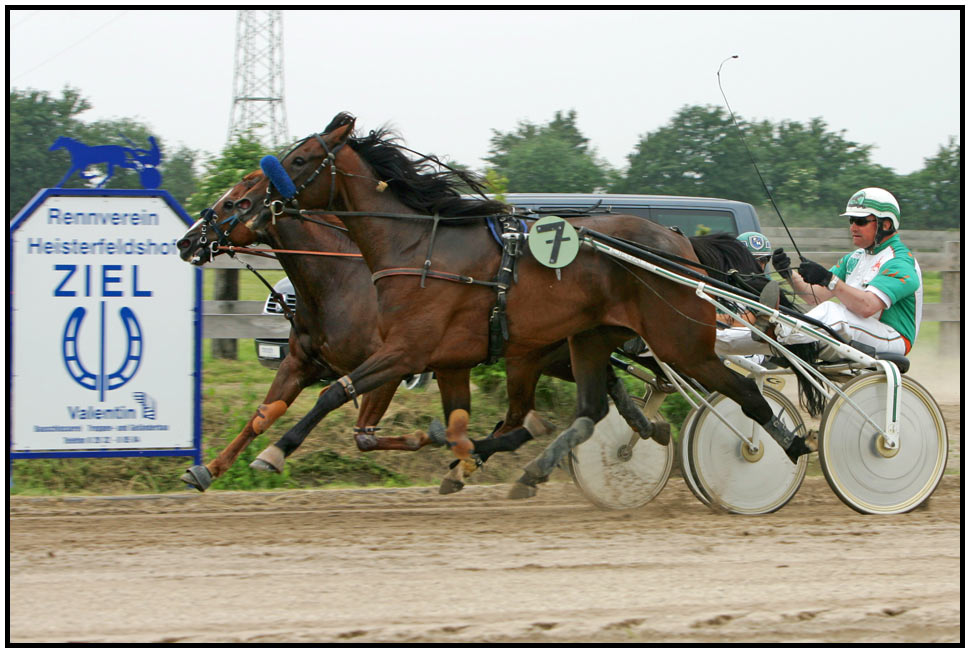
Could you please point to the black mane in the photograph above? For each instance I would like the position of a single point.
(420, 184)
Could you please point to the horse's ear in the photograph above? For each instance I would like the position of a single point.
(343, 132)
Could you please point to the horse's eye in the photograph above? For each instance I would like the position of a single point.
(227, 205)
(299, 161)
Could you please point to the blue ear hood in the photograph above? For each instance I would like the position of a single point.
(273, 169)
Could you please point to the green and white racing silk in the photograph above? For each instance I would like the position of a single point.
(892, 273)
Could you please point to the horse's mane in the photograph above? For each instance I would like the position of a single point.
(419, 183)
(723, 251)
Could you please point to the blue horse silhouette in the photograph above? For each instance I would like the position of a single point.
(83, 156)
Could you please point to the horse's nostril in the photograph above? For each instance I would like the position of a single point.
(182, 244)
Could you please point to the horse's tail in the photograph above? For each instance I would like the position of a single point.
(732, 263)
(809, 397)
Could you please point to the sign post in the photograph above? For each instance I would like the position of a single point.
(104, 325)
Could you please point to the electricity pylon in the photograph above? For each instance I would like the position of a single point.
(257, 88)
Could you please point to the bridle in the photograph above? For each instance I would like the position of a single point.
(278, 207)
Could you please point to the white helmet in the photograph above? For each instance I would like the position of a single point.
(873, 201)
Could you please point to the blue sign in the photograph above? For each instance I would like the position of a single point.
(144, 160)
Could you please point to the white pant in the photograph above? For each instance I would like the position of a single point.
(867, 330)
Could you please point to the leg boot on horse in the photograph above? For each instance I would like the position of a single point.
(293, 375)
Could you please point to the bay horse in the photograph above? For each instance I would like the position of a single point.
(332, 332)
(595, 303)
(335, 329)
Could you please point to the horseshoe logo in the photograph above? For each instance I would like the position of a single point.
(100, 381)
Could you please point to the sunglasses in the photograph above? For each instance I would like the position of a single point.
(861, 222)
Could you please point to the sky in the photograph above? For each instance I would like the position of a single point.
(445, 79)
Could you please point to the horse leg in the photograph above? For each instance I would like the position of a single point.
(388, 363)
(631, 413)
(455, 387)
(589, 352)
(456, 402)
(521, 423)
(372, 409)
(293, 375)
(713, 375)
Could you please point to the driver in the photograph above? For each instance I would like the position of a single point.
(879, 285)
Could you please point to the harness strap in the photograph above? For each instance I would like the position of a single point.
(348, 386)
(434, 274)
(427, 258)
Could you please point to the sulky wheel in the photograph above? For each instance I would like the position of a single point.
(614, 475)
(683, 446)
(728, 473)
(865, 475)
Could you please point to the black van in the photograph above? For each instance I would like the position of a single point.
(692, 215)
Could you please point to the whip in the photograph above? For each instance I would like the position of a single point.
(751, 157)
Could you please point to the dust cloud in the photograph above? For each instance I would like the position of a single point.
(938, 373)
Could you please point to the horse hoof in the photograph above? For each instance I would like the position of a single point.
(797, 449)
(270, 460)
(365, 441)
(661, 433)
(450, 486)
(537, 425)
(520, 490)
(198, 477)
(437, 433)
(264, 466)
(416, 440)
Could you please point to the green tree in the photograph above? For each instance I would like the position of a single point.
(814, 170)
(550, 158)
(237, 159)
(809, 169)
(35, 119)
(698, 153)
(179, 178)
(931, 198)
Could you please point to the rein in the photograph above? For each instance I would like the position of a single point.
(259, 251)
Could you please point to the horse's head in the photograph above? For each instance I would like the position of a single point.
(314, 159)
(228, 222)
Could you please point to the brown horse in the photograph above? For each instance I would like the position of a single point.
(595, 305)
(332, 332)
(335, 329)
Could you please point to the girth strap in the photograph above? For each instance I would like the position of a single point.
(434, 274)
(513, 235)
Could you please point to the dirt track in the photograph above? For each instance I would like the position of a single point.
(408, 565)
